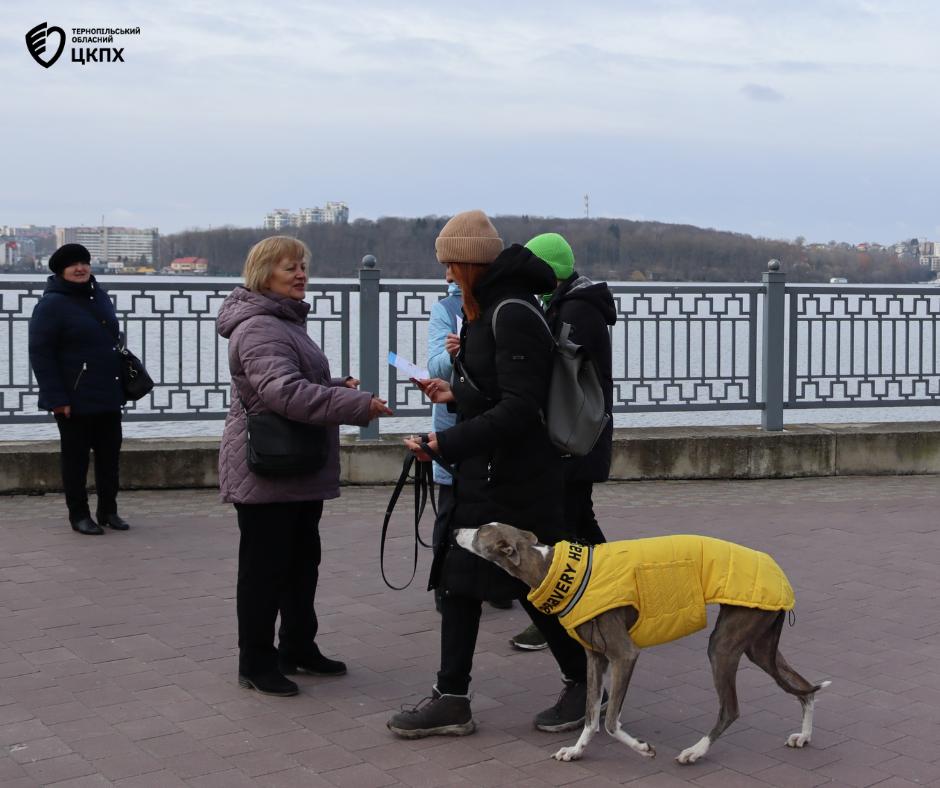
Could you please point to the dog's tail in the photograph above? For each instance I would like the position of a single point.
(786, 677)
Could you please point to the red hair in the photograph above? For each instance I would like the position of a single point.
(468, 276)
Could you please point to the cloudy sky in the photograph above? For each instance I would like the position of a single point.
(816, 118)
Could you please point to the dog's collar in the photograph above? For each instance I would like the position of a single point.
(566, 581)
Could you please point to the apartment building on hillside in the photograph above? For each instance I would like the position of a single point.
(113, 243)
(330, 213)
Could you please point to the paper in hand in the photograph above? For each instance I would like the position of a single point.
(410, 370)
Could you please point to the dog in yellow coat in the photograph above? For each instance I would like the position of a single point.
(619, 597)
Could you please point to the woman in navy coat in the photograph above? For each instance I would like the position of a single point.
(73, 351)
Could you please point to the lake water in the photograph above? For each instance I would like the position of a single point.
(402, 425)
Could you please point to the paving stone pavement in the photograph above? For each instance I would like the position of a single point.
(117, 653)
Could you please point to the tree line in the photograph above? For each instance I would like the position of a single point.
(605, 249)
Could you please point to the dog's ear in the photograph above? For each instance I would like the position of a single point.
(508, 550)
(530, 537)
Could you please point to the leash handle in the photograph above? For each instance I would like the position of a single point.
(554, 533)
(424, 479)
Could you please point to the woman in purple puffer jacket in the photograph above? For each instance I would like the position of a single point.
(276, 366)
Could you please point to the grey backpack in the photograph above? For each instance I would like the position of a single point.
(575, 414)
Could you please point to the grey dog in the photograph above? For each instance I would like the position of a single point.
(738, 631)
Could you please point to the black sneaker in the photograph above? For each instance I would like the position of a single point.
(439, 715)
(269, 684)
(568, 712)
(501, 604)
(315, 665)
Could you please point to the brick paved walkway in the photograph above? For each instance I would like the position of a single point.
(117, 653)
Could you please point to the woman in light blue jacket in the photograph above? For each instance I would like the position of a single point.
(443, 323)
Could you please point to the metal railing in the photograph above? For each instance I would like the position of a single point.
(677, 347)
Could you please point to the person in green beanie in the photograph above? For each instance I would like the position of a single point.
(589, 309)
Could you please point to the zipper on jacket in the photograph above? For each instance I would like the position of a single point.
(84, 367)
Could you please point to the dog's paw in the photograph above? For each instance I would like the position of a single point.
(798, 740)
(645, 748)
(692, 754)
(567, 754)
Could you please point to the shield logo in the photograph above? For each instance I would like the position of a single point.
(36, 43)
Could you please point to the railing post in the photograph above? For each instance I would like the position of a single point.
(369, 277)
(772, 355)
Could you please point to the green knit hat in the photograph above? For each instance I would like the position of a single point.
(555, 251)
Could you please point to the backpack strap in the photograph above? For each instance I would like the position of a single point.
(528, 304)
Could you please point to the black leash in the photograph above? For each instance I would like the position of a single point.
(424, 481)
(424, 489)
(553, 533)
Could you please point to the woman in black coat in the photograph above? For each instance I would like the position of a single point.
(73, 352)
(500, 446)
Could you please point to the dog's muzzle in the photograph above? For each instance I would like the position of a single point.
(465, 537)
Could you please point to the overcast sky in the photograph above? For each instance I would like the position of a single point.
(816, 118)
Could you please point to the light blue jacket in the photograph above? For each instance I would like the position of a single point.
(440, 364)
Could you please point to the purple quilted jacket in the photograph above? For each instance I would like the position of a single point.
(275, 365)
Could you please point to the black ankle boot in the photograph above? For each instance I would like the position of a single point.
(314, 664)
(112, 521)
(272, 683)
(87, 526)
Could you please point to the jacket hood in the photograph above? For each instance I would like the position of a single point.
(241, 304)
(56, 284)
(516, 269)
(583, 289)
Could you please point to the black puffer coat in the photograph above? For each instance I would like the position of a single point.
(500, 444)
(589, 309)
(72, 337)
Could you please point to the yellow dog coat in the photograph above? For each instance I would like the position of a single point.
(668, 579)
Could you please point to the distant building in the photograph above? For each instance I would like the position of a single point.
(28, 231)
(930, 255)
(190, 265)
(278, 219)
(9, 253)
(14, 248)
(331, 213)
(112, 243)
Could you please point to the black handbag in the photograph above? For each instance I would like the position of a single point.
(278, 446)
(135, 380)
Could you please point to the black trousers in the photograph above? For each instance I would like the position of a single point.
(78, 435)
(460, 623)
(579, 512)
(278, 568)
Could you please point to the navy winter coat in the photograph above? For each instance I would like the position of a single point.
(74, 359)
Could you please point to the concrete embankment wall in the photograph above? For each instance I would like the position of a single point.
(665, 453)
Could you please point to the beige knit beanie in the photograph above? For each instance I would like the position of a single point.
(468, 237)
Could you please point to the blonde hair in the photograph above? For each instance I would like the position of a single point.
(266, 254)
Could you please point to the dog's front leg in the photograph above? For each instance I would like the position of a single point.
(596, 669)
(623, 656)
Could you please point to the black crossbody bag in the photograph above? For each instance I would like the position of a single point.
(278, 446)
(135, 380)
